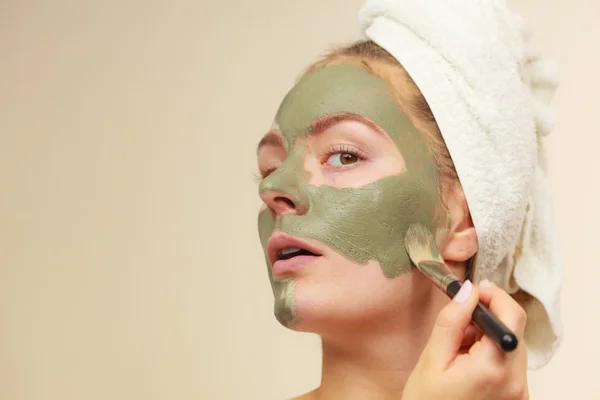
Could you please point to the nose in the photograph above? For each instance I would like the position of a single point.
(283, 190)
(283, 203)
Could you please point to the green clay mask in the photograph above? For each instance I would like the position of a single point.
(365, 223)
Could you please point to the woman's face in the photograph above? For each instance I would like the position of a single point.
(345, 173)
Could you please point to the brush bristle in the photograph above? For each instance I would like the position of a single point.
(420, 244)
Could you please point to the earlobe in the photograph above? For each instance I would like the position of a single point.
(461, 242)
(460, 245)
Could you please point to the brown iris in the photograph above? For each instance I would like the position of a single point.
(347, 158)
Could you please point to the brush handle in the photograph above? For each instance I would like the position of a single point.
(488, 323)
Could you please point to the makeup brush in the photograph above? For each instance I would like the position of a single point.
(424, 254)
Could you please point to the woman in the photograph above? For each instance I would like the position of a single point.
(355, 155)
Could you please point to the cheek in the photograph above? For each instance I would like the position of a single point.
(266, 224)
(368, 223)
(345, 290)
(353, 176)
(312, 164)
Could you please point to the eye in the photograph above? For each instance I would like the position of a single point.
(266, 172)
(342, 159)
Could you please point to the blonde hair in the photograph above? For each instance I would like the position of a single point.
(377, 61)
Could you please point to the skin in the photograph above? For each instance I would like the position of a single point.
(382, 338)
(448, 358)
(366, 223)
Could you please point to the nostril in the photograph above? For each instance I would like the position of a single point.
(285, 200)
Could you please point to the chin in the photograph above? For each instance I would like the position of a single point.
(330, 307)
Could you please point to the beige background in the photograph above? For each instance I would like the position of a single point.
(130, 266)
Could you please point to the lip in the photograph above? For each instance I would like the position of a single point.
(282, 241)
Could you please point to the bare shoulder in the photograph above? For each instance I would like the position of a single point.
(307, 396)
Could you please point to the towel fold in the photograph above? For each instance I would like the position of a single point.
(489, 89)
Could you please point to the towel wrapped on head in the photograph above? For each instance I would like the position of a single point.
(489, 90)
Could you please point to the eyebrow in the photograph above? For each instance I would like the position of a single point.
(326, 122)
(320, 126)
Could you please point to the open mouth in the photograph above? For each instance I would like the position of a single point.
(291, 252)
(286, 252)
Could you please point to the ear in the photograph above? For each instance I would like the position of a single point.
(461, 240)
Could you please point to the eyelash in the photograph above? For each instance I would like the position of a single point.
(337, 149)
(260, 175)
(344, 149)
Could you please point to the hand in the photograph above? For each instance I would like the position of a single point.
(458, 363)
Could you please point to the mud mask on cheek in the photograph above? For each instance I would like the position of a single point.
(366, 223)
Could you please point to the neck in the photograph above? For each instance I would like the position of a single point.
(374, 364)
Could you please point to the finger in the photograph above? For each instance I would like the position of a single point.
(479, 335)
(487, 361)
(487, 352)
(447, 334)
(503, 306)
(470, 335)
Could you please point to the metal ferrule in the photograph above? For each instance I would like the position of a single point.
(438, 272)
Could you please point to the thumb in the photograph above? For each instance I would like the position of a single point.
(448, 331)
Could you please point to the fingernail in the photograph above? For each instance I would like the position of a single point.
(486, 283)
(464, 293)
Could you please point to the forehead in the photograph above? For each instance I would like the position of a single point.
(349, 89)
(337, 89)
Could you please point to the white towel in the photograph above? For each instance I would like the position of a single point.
(489, 91)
